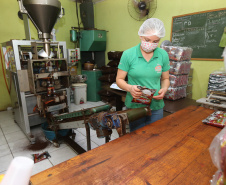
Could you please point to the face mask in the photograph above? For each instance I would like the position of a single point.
(148, 47)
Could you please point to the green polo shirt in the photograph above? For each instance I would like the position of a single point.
(141, 72)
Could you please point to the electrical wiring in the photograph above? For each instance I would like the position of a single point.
(4, 72)
(5, 58)
(77, 15)
(79, 23)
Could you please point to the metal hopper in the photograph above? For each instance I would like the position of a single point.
(43, 14)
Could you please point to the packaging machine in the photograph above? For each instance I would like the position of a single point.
(36, 67)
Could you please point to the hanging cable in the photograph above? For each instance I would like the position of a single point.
(5, 57)
(79, 23)
(4, 72)
(77, 15)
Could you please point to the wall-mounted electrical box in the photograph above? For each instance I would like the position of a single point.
(93, 40)
(73, 55)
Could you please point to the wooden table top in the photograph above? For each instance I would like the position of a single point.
(176, 105)
(173, 150)
(115, 91)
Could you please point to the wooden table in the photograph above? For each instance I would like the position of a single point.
(173, 150)
(120, 97)
(176, 105)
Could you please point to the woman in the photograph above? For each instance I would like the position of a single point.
(145, 65)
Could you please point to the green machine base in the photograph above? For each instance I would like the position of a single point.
(93, 84)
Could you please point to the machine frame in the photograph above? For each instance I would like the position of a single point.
(23, 101)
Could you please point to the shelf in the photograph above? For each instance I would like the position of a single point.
(45, 75)
(31, 94)
(33, 114)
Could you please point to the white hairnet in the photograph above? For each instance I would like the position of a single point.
(152, 26)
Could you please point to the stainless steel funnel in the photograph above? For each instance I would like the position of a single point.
(43, 14)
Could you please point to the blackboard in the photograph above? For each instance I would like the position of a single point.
(202, 31)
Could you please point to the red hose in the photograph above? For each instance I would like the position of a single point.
(4, 72)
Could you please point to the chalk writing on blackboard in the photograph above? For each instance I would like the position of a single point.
(201, 31)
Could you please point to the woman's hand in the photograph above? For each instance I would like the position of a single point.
(161, 95)
(135, 92)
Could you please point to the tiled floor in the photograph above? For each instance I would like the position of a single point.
(13, 142)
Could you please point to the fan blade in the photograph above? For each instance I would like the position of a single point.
(135, 3)
(147, 1)
(143, 13)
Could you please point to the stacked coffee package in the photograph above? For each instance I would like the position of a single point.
(109, 76)
(179, 77)
(217, 81)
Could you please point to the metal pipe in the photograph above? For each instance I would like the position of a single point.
(134, 114)
(85, 112)
(101, 108)
(88, 138)
(46, 46)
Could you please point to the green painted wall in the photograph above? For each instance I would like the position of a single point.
(113, 16)
(12, 28)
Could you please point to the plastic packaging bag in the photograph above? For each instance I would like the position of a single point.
(146, 97)
(40, 157)
(217, 119)
(175, 93)
(217, 81)
(189, 88)
(178, 80)
(177, 53)
(217, 178)
(217, 149)
(177, 68)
